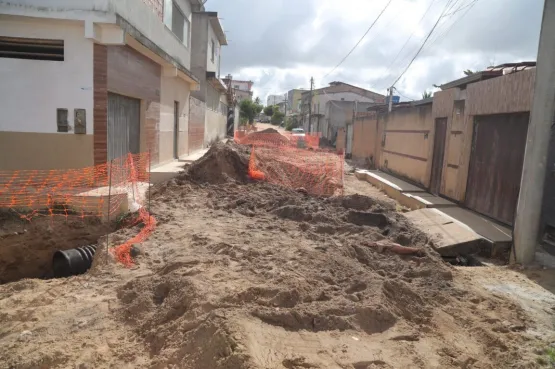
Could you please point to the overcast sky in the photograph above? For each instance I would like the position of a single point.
(280, 44)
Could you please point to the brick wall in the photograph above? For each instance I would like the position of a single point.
(100, 97)
(157, 7)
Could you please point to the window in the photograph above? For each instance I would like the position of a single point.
(212, 56)
(236, 86)
(180, 24)
(31, 48)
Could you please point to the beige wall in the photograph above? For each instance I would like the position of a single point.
(26, 150)
(407, 143)
(366, 139)
(215, 128)
(173, 89)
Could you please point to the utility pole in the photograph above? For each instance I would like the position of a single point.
(528, 213)
(310, 105)
(390, 98)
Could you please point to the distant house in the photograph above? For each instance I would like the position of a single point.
(317, 106)
(241, 89)
(275, 99)
(294, 101)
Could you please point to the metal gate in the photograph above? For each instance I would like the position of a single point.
(123, 125)
(349, 147)
(496, 164)
(438, 155)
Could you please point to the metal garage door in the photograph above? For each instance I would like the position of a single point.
(496, 164)
(123, 125)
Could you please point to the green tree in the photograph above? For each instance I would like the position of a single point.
(291, 122)
(249, 110)
(277, 117)
(269, 110)
(257, 101)
(468, 72)
(427, 94)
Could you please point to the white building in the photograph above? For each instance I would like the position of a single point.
(275, 99)
(86, 81)
(241, 89)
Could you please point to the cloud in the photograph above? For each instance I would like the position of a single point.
(280, 44)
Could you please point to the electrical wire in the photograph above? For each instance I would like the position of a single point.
(406, 42)
(441, 35)
(424, 42)
(359, 41)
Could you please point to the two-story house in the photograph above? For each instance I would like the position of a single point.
(84, 82)
(208, 39)
(241, 89)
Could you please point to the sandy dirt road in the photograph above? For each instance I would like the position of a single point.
(250, 275)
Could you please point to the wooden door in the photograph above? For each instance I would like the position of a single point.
(495, 166)
(438, 155)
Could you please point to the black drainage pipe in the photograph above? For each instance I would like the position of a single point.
(73, 261)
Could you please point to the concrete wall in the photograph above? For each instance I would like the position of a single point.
(28, 104)
(407, 143)
(173, 89)
(215, 128)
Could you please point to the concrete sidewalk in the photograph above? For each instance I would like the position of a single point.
(453, 229)
(167, 171)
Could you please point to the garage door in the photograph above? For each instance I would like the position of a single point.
(123, 125)
(496, 164)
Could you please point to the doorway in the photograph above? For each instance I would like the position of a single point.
(176, 129)
(438, 155)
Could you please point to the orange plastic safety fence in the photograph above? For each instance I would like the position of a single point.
(309, 140)
(319, 173)
(100, 191)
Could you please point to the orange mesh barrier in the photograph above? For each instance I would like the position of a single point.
(318, 173)
(100, 191)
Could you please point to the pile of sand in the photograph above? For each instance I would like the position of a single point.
(223, 162)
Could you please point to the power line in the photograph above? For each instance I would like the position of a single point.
(359, 41)
(441, 35)
(406, 42)
(423, 43)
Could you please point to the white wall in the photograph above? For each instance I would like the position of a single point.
(215, 126)
(136, 12)
(173, 89)
(243, 86)
(32, 90)
(212, 66)
(185, 7)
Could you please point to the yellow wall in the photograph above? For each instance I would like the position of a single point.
(406, 146)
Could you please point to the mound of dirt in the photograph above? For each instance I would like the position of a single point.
(264, 131)
(222, 163)
(268, 136)
(260, 276)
